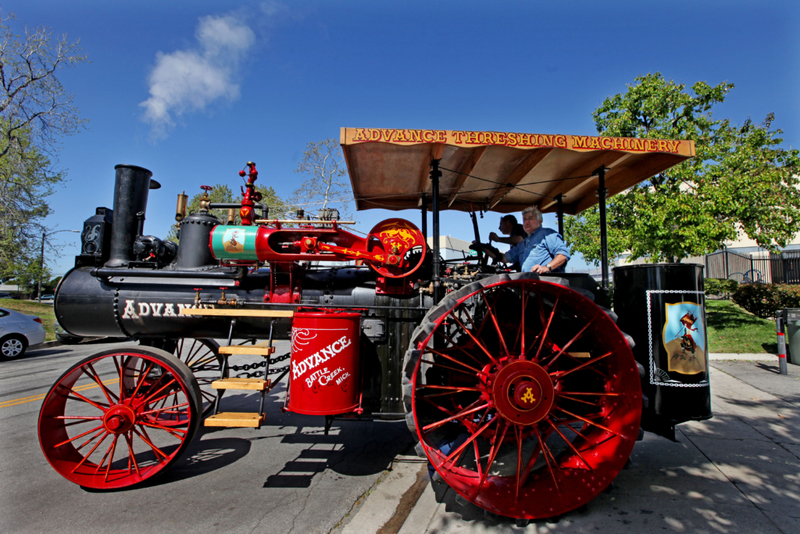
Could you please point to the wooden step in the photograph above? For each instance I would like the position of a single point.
(236, 419)
(250, 384)
(235, 312)
(258, 350)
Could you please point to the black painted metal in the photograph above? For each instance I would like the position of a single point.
(641, 296)
(194, 252)
(435, 175)
(560, 213)
(601, 195)
(130, 198)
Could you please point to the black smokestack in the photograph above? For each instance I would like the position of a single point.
(130, 198)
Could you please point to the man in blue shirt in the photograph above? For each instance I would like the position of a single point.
(542, 252)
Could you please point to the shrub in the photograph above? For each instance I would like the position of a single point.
(721, 287)
(764, 300)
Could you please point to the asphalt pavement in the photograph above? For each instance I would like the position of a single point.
(737, 472)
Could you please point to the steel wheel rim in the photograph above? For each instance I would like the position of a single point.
(469, 412)
(12, 348)
(118, 418)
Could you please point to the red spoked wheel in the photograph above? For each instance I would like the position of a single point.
(525, 396)
(204, 361)
(119, 417)
(402, 244)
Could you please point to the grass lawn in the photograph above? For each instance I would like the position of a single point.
(44, 311)
(732, 329)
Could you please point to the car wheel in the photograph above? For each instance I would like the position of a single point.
(13, 346)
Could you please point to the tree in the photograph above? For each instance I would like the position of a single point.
(35, 110)
(327, 185)
(35, 107)
(741, 180)
(25, 184)
(278, 208)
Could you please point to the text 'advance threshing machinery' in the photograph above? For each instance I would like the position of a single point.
(523, 393)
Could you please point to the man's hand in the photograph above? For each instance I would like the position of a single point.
(489, 250)
(540, 269)
(493, 237)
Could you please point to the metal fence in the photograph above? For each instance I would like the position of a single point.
(781, 268)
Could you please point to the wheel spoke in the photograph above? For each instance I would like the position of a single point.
(547, 457)
(90, 452)
(469, 440)
(459, 362)
(454, 345)
(496, 324)
(546, 329)
(95, 429)
(459, 415)
(562, 374)
(93, 375)
(474, 339)
(492, 455)
(589, 421)
(570, 445)
(570, 342)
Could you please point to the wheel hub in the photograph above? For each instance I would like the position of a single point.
(523, 392)
(119, 419)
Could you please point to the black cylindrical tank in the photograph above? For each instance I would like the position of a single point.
(130, 197)
(194, 252)
(662, 306)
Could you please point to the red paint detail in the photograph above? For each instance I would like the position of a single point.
(325, 376)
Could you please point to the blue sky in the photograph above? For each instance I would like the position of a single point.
(265, 78)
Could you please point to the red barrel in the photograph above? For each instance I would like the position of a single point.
(325, 374)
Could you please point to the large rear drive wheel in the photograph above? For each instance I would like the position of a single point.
(524, 395)
(119, 417)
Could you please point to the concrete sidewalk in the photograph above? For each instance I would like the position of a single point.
(738, 472)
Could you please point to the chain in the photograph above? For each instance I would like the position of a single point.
(253, 366)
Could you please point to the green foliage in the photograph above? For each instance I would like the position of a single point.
(763, 300)
(278, 208)
(739, 181)
(25, 183)
(720, 287)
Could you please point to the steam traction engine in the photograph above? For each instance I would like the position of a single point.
(523, 393)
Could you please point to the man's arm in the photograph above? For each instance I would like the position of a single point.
(552, 265)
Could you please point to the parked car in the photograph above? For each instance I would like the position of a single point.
(48, 297)
(18, 332)
(6, 296)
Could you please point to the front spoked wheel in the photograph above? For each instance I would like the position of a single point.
(525, 396)
(119, 417)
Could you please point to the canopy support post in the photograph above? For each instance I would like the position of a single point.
(601, 196)
(435, 175)
(424, 226)
(560, 213)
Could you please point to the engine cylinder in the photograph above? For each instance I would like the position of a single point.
(194, 252)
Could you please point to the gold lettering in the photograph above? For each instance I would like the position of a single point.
(594, 142)
(374, 135)
(472, 138)
(636, 144)
(359, 135)
(387, 134)
(662, 146)
(501, 138)
(441, 136)
(561, 141)
(428, 136)
(651, 145)
(545, 140)
(579, 141)
(511, 139)
(416, 136)
(605, 142)
(618, 144)
(673, 146)
(459, 136)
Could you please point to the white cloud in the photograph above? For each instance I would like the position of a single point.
(190, 80)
